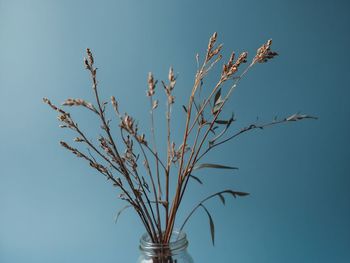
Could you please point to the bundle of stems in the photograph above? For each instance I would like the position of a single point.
(117, 155)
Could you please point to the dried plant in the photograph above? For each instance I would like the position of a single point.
(118, 157)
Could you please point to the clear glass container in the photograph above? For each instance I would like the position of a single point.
(174, 252)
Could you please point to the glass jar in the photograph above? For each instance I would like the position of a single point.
(174, 252)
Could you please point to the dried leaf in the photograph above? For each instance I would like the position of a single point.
(211, 224)
(196, 178)
(296, 117)
(226, 122)
(222, 121)
(121, 211)
(235, 194)
(217, 105)
(211, 165)
(217, 96)
(222, 198)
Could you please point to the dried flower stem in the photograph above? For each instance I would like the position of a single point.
(190, 165)
(175, 204)
(229, 191)
(254, 127)
(90, 66)
(159, 193)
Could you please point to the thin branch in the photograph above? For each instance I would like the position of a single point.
(227, 191)
(253, 127)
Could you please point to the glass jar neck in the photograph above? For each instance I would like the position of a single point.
(177, 245)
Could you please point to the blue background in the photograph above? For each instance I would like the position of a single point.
(54, 208)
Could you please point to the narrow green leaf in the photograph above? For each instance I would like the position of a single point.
(196, 178)
(211, 165)
(211, 224)
(120, 212)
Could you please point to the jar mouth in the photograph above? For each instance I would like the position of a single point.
(178, 242)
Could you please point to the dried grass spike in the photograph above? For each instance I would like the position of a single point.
(155, 104)
(171, 76)
(48, 102)
(151, 85)
(264, 53)
(115, 105)
(79, 102)
(211, 44)
(90, 57)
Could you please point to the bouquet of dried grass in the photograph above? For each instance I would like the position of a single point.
(117, 157)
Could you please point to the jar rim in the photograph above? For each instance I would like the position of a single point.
(178, 242)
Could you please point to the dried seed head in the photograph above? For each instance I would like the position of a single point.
(155, 104)
(230, 68)
(65, 145)
(128, 121)
(141, 139)
(212, 40)
(224, 69)
(210, 52)
(172, 79)
(99, 167)
(48, 102)
(68, 102)
(232, 57)
(65, 119)
(151, 85)
(79, 102)
(150, 77)
(90, 57)
(104, 145)
(242, 58)
(86, 63)
(74, 150)
(171, 76)
(211, 44)
(171, 99)
(216, 51)
(128, 124)
(62, 117)
(264, 53)
(115, 105)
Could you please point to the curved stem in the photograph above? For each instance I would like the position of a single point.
(206, 199)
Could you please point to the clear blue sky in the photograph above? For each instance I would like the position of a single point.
(54, 208)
